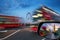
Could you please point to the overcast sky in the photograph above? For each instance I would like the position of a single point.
(21, 7)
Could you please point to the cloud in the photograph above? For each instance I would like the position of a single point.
(22, 7)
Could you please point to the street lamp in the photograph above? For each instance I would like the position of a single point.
(40, 15)
(35, 16)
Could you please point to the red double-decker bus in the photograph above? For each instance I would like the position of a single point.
(10, 21)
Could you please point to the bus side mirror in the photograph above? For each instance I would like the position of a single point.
(45, 27)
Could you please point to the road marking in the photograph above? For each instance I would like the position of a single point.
(13, 33)
(0, 39)
(4, 31)
(43, 38)
(10, 34)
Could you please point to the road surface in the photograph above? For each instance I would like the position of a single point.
(20, 34)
